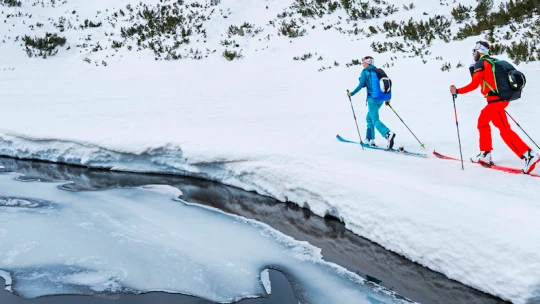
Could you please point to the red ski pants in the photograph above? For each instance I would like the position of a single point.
(496, 114)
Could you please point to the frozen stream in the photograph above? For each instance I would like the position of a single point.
(119, 240)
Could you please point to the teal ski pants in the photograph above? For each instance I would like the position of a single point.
(373, 121)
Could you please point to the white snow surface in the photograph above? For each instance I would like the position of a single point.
(7, 277)
(140, 241)
(163, 189)
(265, 279)
(266, 123)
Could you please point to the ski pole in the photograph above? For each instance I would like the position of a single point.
(354, 115)
(421, 144)
(457, 127)
(521, 128)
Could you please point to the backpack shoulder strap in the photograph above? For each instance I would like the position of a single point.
(492, 61)
(380, 73)
(489, 58)
(478, 66)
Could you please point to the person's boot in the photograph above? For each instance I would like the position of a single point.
(370, 142)
(531, 160)
(390, 139)
(483, 156)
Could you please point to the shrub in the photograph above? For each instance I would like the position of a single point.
(390, 9)
(514, 11)
(10, 3)
(231, 55)
(461, 13)
(243, 29)
(165, 28)
(116, 44)
(522, 51)
(446, 67)
(423, 31)
(395, 46)
(43, 47)
(353, 62)
(497, 49)
(235, 30)
(483, 9)
(306, 57)
(90, 24)
(292, 29)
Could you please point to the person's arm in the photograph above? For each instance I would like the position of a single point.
(475, 83)
(477, 76)
(361, 84)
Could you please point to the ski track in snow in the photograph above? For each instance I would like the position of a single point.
(271, 129)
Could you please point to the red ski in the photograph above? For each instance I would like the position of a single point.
(486, 165)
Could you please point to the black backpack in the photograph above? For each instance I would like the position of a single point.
(510, 82)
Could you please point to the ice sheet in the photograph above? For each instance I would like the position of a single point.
(135, 240)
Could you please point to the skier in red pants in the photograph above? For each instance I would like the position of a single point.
(494, 112)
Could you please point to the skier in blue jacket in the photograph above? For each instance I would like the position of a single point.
(372, 118)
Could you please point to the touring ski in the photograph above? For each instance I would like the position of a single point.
(487, 165)
(398, 151)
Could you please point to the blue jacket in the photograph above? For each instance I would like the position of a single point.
(365, 81)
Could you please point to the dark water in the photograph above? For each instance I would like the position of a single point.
(338, 245)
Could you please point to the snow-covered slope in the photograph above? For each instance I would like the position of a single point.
(267, 122)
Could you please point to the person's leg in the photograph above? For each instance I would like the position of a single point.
(484, 129)
(485, 136)
(512, 140)
(374, 107)
(370, 135)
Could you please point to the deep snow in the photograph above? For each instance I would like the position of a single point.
(267, 123)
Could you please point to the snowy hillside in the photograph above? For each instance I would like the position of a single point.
(252, 94)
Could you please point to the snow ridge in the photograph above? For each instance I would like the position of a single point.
(153, 160)
(166, 160)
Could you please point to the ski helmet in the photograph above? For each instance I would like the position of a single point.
(517, 80)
